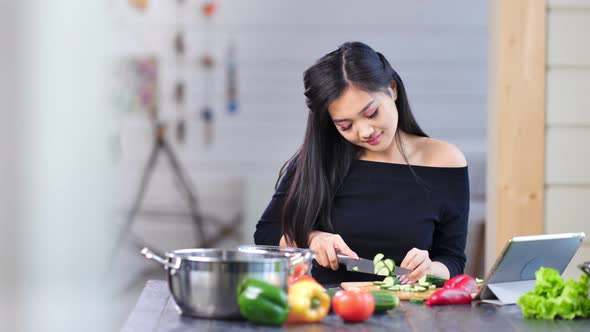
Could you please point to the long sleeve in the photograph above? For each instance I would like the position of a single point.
(450, 233)
(269, 228)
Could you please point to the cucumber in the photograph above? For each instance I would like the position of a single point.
(438, 282)
(424, 284)
(478, 281)
(415, 300)
(390, 264)
(419, 289)
(331, 291)
(405, 288)
(389, 281)
(431, 287)
(385, 287)
(394, 288)
(384, 300)
(378, 258)
(379, 265)
(384, 271)
(355, 269)
(377, 283)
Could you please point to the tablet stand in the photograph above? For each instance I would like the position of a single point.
(504, 293)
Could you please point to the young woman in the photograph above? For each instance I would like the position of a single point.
(367, 179)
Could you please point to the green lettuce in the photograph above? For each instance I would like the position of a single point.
(553, 297)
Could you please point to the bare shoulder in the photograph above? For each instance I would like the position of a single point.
(437, 153)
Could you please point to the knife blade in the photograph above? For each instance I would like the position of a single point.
(366, 266)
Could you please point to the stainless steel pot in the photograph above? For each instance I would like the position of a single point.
(297, 256)
(203, 282)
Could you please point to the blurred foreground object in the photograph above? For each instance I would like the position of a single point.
(139, 4)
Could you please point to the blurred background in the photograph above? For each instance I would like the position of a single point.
(240, 112)
(164, 123)
(228, 87)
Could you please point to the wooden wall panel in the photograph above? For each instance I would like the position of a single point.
(516, 140)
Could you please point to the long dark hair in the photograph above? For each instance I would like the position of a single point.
(323, 160)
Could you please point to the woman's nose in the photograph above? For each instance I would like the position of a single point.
(366, 132)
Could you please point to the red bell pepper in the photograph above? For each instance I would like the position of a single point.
(463, 282)
(448, 296)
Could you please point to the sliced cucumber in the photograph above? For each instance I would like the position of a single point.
(384, 287)
(419, 289)
(384, 271)
(390, 264)
(431, 287)
(378, 258)
(422, 280)
(379, 265)
(355, 269)
(377, 283)
(424, 284)
(479, 281)
(394, 288)
(405, 288)
(389, 281)
(416, 300)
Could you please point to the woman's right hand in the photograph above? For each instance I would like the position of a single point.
(326, 246)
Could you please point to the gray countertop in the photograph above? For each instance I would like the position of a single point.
(155, 312)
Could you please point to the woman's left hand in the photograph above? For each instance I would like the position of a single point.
(418, 262)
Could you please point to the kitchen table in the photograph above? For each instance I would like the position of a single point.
(155, 312)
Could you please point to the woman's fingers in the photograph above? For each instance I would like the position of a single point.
(332, 258)
(343, 248)
(322, 258)
(403, 279)
(409, 256)
(416, 261)
(419, 272)
(326, 246)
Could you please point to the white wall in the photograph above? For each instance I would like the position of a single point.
(567, 180)
(439, 49)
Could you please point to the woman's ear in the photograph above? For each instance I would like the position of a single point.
(393, 88)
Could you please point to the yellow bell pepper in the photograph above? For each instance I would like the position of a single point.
(308, 302)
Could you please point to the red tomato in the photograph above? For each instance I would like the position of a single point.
(353, 305)
(300, 269)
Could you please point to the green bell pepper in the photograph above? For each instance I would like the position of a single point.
(262, 303)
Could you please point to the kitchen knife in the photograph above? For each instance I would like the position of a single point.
(366, 266)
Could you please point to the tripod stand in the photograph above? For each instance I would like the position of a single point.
(196, 216)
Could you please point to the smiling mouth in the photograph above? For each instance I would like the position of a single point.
(374, 140)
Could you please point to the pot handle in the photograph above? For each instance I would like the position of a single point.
(167, 265)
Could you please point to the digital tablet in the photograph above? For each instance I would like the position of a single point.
(513, 273)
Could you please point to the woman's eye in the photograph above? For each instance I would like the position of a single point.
(346, 128)
(374, 114)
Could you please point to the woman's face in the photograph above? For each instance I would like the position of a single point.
(368, 120)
